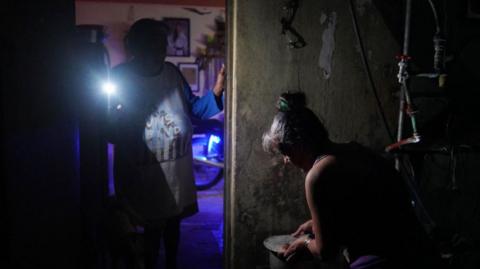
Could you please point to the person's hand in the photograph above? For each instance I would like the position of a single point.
(303, 229)
(288, 250)
(218, 88)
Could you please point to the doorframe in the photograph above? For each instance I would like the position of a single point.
(230, 131)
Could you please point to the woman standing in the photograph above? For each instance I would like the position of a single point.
(153, 163)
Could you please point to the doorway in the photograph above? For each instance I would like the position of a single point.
(200, 58)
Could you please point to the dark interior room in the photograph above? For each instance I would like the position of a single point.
(139, 134)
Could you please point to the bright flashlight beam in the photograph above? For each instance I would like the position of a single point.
(109, 88)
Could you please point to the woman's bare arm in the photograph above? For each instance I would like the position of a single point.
(320, 172)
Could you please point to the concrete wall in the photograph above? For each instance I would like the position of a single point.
(263, 196)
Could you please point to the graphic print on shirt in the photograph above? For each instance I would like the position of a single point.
(167, 134)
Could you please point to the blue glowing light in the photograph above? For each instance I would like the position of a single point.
(213, 141)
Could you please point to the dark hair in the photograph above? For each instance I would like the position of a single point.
(294, 125)
(142, 31)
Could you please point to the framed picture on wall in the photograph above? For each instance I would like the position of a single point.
(178, 37)
(190, 72)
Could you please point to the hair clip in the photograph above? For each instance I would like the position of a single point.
(282, 105)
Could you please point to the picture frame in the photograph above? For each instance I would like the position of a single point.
(190, 73)
(178, 37)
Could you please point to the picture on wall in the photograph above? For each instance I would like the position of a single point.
(190, 72)
(178, 37)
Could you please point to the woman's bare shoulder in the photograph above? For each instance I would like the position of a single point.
(321, 170)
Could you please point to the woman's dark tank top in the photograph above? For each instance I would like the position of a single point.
(368, 209)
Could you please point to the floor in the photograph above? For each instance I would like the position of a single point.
(201, 243)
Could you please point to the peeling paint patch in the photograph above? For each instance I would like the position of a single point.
(328, 46)
(323, 18)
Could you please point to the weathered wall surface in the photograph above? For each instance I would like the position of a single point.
(263, 196)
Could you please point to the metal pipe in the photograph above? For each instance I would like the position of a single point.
(406, 36)
(400, 125)
(410, 111)
(402, 75)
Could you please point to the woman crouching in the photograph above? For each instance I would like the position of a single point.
(357, 200)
